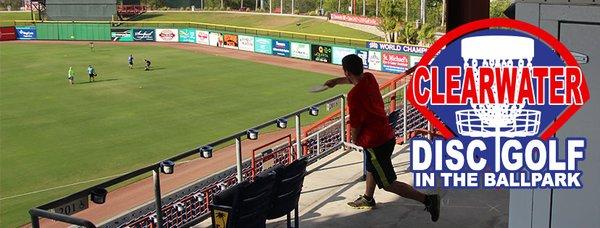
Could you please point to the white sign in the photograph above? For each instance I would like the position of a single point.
(202, 37)
(215, 39)
(375, 60)
(338, 53)
(414, 60)
(246, 43)
(300, 50)
(167, 35)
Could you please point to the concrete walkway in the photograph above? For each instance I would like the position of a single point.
(336, 180)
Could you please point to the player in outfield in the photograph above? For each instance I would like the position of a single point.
(147, 67)
(92, 73)
(130, 61)
(71, 76)
(371, 130)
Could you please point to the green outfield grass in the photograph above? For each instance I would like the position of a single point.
(54, 134)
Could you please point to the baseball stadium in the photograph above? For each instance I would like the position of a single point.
(237, 113)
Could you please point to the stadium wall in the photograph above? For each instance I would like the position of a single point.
(378, 56)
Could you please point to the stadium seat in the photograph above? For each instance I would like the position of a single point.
(287, 191)
(244, 204)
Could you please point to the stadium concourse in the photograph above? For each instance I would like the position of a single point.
(337, 179)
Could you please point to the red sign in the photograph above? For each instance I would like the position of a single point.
(8, 33)
(395, 63)
(355, 19)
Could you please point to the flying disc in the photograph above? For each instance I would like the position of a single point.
(318, 88)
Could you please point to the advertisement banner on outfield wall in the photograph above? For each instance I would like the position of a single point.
(246, 43)
(167, 35)
(187, 35)
(230, 41)
(338, 53)
(263, 45)
(375, 60)
(414, 60)
(364, 55)
(300, 50)
(202, 37)
(215, 39)
(412, 49)
(394, 63)
(26, 33)
(281, 48)
(321, 53)
(143, 35)
(121, 35)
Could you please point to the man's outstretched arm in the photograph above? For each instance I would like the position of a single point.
(337, 81)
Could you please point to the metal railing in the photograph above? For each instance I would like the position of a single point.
(45, 211)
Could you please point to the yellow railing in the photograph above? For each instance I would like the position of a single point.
(356, 42)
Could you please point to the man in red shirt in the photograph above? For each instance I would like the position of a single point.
(371, 130)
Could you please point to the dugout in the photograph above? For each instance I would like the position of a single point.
(80, 10)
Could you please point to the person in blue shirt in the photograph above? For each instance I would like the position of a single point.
(91, 73)
(130, 61)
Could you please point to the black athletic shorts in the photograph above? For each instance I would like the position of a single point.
(91, 75)
(379, 163)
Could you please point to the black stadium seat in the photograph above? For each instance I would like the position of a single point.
(274, 193)
(244, 204)
(287, 191)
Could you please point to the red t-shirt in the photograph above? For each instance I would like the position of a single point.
(368, 114)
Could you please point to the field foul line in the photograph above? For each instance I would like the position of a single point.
(72, 184)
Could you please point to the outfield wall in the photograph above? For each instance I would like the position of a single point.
(378, 56)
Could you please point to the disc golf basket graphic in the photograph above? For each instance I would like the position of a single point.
(502, 118)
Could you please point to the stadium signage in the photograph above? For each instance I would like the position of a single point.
(414, 60)
(215, 39)
(321, 53)
(246, 43)
(121, 35)
(396, 47)
(202, 37)
(143, 35)
(375, 60)
(355, 19)
(340, 52)
(187, 35)
(263, 45)
(364, 55)
(26, 33)
(167, 35)
(281, 48)
(498, 90)
(394, 63)
(300, 50)
(230, 41)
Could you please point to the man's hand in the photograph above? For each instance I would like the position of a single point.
(331, 83)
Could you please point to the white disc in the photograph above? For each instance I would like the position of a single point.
(318, 88)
